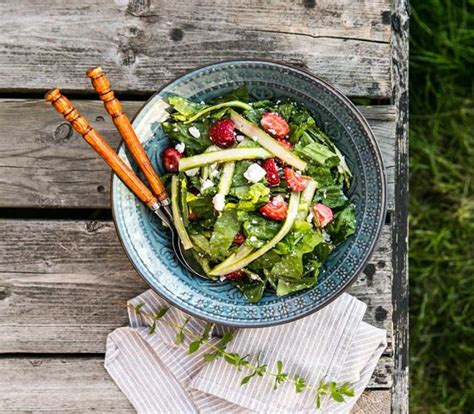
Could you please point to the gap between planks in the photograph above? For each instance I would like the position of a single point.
(144, 44)
(64, 285)
(47, 165)
(83, 385)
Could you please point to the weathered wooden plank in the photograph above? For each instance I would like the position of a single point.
(143, 44)
(45, 164)
(400, 43)
(64, 285)
(82, 385)
(373, 402)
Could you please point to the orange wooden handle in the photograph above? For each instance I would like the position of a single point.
(123, 125)
(95, 140)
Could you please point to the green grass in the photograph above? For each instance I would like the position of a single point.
(441, 207)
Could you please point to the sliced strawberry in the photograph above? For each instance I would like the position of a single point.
(239, 239)
(323, 214)
(287, 144)
(222, 133)
(275, 125)
(295, 182)
(238, 274)
(275, 209)
(271, 169)
(171, 157)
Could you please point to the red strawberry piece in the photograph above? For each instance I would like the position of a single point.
(275, 209)
(323, 214)
(193, 190)
(275, 125)
(287, 144)
(272, 176)
(222, 133)
(171, 157)
(238, 274)
(295, 182)
(239, 239)
(192, 216)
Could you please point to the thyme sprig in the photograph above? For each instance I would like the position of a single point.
(254, 367)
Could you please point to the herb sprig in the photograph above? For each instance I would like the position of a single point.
(253, 366)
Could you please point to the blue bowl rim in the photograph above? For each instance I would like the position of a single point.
(380, 223)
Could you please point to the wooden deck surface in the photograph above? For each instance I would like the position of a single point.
(64, 279)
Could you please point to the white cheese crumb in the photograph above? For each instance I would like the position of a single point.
(180, 147)
(326, 236)
(192, 172)
(214, 173)
(253, 276)
(219, 201)
(309, 219)
(222, 278)
(175, 129)
(206, 184)
(194, 132)
(239, 138)
(254, 173)
(253, 239)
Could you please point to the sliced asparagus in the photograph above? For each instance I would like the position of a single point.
(266, 141)
(177, 217)
(235, 154)
(290, 218)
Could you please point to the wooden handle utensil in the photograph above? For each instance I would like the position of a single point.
(123, 125)
(95, 140)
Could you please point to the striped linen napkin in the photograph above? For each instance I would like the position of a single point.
(159, 376)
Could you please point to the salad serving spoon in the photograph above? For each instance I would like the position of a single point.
(161, 208)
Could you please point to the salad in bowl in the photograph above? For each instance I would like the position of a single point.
(258, 191)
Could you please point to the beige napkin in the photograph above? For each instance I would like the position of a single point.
(158, 376)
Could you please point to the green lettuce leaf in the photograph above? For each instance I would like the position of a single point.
(332, 196)
(257, 229)
(343, 225)
(179, 132)
(185, 107)
(252, 286)
(302, 239)
(225, 229)
(238, 94)
(286, 286)
(238, 179)
(251, 197)
(318, 153)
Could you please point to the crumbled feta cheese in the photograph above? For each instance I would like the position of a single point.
(253, 239)
(253, 276)
(214, 173)
(222, 278)
(206, 184)
(326, 236)
(219, 202)
(180, 147)
(310, 217)
(254, 173)
(192, 172)
(194, 132)
(175, 129)
(239, 138)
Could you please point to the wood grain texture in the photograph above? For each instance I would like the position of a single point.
(82, 126)
(373, 402)
(400, 42)
(143, 44)
(64, 285)
(82, 385)
(47, 164)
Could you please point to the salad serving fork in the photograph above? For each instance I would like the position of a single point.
(157, 199)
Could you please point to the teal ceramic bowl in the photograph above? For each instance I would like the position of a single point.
(148, 246)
